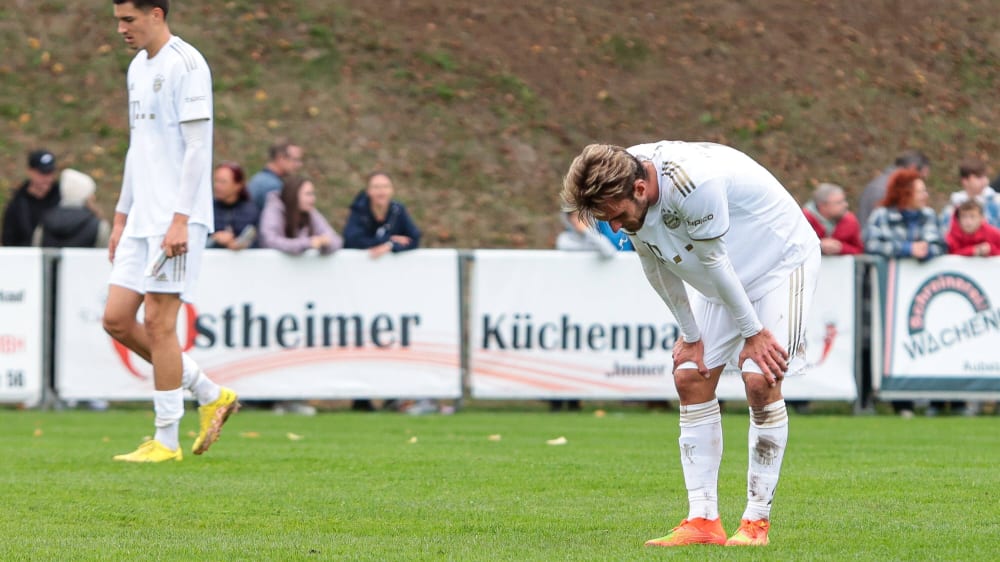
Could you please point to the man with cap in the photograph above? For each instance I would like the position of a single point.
(75, 223)
(31, 200)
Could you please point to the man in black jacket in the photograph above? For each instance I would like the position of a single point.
(29, 202)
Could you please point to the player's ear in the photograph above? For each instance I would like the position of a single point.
(638, 188)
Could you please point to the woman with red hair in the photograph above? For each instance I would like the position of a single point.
(236, 214)
(903, 226)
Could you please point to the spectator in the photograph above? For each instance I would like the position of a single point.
(970, 234)
(904, 226)
(975, 182)
(75, 222)
(291, 223)
(377, 222)
(235, 214)
(875, 190)
(577, 236)
(37, 195)
(838, 229)
(284, 158)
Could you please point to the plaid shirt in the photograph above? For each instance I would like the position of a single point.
(889, 234)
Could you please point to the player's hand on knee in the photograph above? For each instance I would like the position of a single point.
(693, 352)
(772, 358)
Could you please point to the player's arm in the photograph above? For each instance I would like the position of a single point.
(122, 208)
(197, 159)
(689, 347)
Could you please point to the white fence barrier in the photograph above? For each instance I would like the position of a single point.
(549, 324)
(22, 321)
(275, 326)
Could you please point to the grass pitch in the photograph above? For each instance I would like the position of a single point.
(348, 486)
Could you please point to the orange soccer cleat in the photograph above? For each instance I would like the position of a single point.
(693, 531)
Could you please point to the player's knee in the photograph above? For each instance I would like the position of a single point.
(117, 326)
(692, 387)
(757, 388)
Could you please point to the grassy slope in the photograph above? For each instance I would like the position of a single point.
(477, 110)
(864, 488)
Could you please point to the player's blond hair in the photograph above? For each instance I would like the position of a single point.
(601, 173)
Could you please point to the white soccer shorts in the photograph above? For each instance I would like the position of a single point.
(177, 275)
(783, 311)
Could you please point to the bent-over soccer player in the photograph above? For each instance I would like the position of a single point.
(712, 217)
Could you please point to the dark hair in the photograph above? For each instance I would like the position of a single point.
(147, 5)
(971, 167)
(239, 176)
(279, 148)
(295, 218)
(913, 159)
(968, 205)
(899, 189)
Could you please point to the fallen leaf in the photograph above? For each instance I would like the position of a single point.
(250, 434)
(494, 437)
(557, 441)
(294, 436)
(412, 440)
(38, 432)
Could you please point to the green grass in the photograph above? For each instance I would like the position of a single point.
(355, 488)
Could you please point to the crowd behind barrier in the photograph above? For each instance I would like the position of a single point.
(541, 324)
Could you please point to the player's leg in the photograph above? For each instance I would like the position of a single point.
(700, 438)
(165, 350)
(125, 296)
(784, 312)
(216, 403)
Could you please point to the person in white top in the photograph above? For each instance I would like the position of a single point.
(709, 217)
(162, 221)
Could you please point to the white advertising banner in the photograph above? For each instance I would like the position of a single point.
(21, 324)
(942, 323)
(273, 326)
(551, 324)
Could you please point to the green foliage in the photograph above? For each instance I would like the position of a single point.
(393, 487)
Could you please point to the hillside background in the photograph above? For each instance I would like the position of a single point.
(478, 108)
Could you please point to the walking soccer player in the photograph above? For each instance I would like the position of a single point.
(710, 216)
(165, 207)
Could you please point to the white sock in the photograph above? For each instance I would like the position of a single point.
(194, 379)
(768, 437)
(169, 408)
(701, 454)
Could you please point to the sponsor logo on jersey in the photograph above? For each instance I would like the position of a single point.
(158, 82)
(702, 220)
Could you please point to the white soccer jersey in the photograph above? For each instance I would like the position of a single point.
(171, 88)
(708, 190)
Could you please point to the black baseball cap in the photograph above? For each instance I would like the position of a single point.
(42, 160)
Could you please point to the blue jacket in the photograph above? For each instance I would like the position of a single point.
(236, 217)
(363, 231)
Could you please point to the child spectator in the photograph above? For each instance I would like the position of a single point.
(970, 234)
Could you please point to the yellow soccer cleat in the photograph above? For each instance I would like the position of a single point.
(211, 417)
(693, 531)
(151, 451)
(750, 533)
